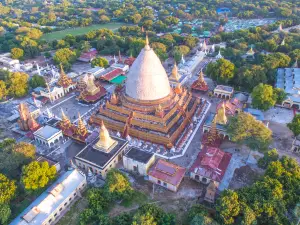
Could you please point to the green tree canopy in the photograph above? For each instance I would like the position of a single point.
(263, 97)
(222, 71)
(17, 53)
(269, 156)
(100, 61)
(37, 175)
(37, 81)
(3, 90)
(294, 126)
(18, 84)
(65, 56)
(7, 189)
(244, 128)
(5, 213)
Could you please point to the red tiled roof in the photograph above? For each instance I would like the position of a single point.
(231, 106)
(212, 163)
(129, 61)
(167, 172)
(200, 87)
(93, 98)
(89, 55)
(112, 74)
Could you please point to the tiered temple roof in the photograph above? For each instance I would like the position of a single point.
(200, 84)
(26, 121)
(91, 93)
(79, 132)
(148, 108)
(64, 81)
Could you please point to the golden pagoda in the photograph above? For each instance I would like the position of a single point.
(81, 129)
(26, 121)
(175, 77)
(91, 93)
(65, 122)
(81, 84)
(221, 117)
(148, 108)
(114, 99)
(64, 81)
(105, 142)
(200, 84)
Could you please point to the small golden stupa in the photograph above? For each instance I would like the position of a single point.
(91, 88)
(175, 75)
(105, 143)
(221, 115)
(81, 128)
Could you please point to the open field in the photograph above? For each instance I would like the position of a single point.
(79, 31)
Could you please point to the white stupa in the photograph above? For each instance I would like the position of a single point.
(147, 78)
(219, 56)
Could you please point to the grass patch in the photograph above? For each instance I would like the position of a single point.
(57, 35)
(138, 198)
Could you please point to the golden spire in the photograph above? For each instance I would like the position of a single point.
(64, 118)
(91, 88)
(174, 73)
(33, 125)
(221, 115)
(114, 99)
(81, 129)
(105, 141)
(201, 76)
(147, 46)
(64, 80)
(159, 111)
(213, 133)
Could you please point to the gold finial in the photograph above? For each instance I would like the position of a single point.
(221, 115)
(178, 88)
(201, 76)
(105, 141)
(175, 72)
(147, 46)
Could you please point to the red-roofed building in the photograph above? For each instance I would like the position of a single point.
(88, 56)
(232, 106)
(166, 174)
(129, 61)
(210, 165)
(110, 74)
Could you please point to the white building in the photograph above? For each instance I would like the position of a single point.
(48, 135)
(123, 67)
(51, 204)
(8, 62)
(138, 161)
(53, 93)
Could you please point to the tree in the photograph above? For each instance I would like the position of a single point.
(65, 56)
(186, 28)
(276, 60)
(190, 41)
(244, 128)
(37, 81)
(222, 70)
(281, 95)
(263, 97)
(117, 184)
(269, 156)
(294, 126)
(160, 49)
(37, 175)
(3, 90)
(7, 189)
(228, 206)
(5, 213)
(100, 61)
(146, 219)
(104, 19)
(18, 84)
(17, 53)
(85, 46)
(34, 33)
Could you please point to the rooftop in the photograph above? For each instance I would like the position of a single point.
(46, 132)
(288, 79)
(212, 163)
(100, 158)
(224, 88)
(40, 209)
(256, 113)
(209, 120)
(167, 172)
(139, 155)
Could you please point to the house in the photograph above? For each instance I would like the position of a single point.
(222, 91)
(166, 174)
(138, 161)
(210, 165)
(48, 135)
(51, 204)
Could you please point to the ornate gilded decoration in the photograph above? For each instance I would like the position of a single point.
(114, 99)
(64, 81)
(221, 115)
(105, 143)
(26, 121)
(174, 75)
(81, 129)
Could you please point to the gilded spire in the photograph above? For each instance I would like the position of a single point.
(147, 46)
(64, 80)
(91, 88)
(81, 129)
(114, 99)
(174, 73)
(105, 141)
(201, 76)
(213, 133)
(178, 88)
(65, 120)
(221, 115)
(159, 111)
(33, 125)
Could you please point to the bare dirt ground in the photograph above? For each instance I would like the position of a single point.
(244, 176)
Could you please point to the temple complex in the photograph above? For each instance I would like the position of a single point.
(147, 107)
(26, 121)
(91, 93)
(200, 84)
(65, 82)
(232, 106)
